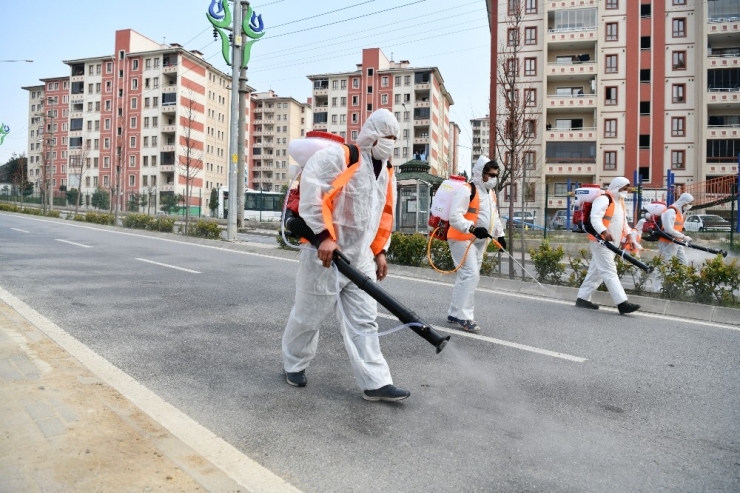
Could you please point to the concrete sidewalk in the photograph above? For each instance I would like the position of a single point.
(64, 429)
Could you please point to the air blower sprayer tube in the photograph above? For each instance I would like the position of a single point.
(297, 226)
(665, 235)
(629, 258)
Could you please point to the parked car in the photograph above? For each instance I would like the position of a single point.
(558, 221)
(706, 222)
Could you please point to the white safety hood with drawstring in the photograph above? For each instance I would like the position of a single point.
(668, 221)
(358, 207)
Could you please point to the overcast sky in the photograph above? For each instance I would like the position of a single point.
(302, 38)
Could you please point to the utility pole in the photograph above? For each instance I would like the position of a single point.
(240, 138)
(236, 61)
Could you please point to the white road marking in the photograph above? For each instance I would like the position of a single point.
(486, 290)
(243, 470)
(21, 230)
(75, 244)
(500, 342)
(170, 266)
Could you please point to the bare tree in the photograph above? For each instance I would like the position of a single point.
(19, 177)
(518, 114)
(79, 166)
(191, 161)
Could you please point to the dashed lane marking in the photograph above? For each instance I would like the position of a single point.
(169, 266)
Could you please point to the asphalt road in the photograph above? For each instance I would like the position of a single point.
(588, 401)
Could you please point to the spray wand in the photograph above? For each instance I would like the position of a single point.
(665, 235)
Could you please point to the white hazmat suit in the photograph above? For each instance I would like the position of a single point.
(462, 306)
(602, 266)
(668, 220)
(358, 207)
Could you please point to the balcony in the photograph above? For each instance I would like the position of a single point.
(169, 88)
(723, 95)
(321, 92)
(169, 68)
(557, 101)
(583, 134)
(170, 187)
(422, 86)
(167, 148)
(77, 78)
(421, 122)
(169, 129)
(726, 24)
(321, 108)
(421, 104)
(563, 69)
(167, 168)
(421, 140)
(319, 126)
(169, 108)
(571, 3)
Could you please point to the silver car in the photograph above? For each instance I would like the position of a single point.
(706, 222)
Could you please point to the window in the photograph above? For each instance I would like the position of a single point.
(355, 101)
(407, 80)
(132, 161)
(644, 141)
(644, 107)
(644, 75)
(612, 64)
(530, 160)
(513, 37)
(383, 99)
(610, 96)
(355, 83)
(530, 6)
(679, 27)
(342, 101)
(334, 85)
(132, 142)
(343, 84)
(135, 65)
(511, 191)
(530, 129)
(132, 178)
(612, 31)
(612, 4)
(134, 103)
(108, 67)
(678, 126)
(530, 97)
(679, 2)
(610, 160)
(384, 81)
(354, 135)
(530, 36)
(645, 42)
(679, 93)
(355, 119)
(370, 72)
(679, 60)
(530, 66)
(645, 10)
(369, 89)
(610, 128)
(678, 159)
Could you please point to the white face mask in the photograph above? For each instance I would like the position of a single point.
(490, 184)
(623, 194)
(383, 149)
(687, 208)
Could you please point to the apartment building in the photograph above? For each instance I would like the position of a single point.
(276, 120)
(623, 88)
(134, 121)
(416, 95)
(481, 135)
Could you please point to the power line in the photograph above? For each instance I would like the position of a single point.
(274, 54)
(347, 20)
(319, 15)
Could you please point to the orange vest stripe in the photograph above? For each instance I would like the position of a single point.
(386, 219)
(678, 225)
(471, 215)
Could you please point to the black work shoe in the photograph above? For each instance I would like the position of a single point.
(581, 303)
(626, 307)
(389, 393)
(452, 320)
(297, 379)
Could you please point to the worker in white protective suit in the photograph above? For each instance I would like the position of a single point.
(672, 221)
(472, 219)
(358, 217)
(608, 219)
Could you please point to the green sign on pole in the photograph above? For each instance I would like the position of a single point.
(4, 130)
(219, 14)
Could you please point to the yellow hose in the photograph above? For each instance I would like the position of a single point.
(431, 262)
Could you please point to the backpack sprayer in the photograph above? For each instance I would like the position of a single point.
(301, 150)
(584, 198)
(656, 209)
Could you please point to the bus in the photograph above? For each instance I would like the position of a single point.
(258, 205)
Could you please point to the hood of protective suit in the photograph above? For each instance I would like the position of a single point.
(685, 198)
(477, 172)
(618, 183)
(380, 123)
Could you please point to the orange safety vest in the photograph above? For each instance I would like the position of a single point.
(678, 225)
(470, 215)
(609, 214)
(386, 219)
